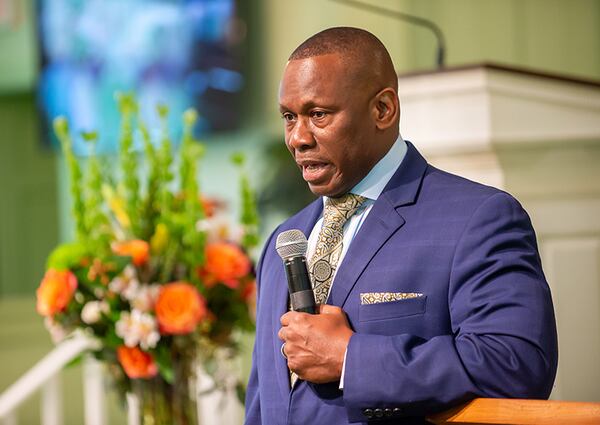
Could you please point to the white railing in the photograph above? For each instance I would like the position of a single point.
(45, 377)
(215, 407)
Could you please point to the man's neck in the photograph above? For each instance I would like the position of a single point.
(375, 181)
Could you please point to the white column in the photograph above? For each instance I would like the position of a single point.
(51, 408)
(133, 409)
(94, 398)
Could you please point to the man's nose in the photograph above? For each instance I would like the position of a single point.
(301, 137)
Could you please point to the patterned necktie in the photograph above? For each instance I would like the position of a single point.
(324, 261)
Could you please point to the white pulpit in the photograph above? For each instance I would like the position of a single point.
(537, 136)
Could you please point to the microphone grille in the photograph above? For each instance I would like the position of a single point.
(291, 243)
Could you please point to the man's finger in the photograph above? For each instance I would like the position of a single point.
(329, 309)
(285, 319)
(281, 334)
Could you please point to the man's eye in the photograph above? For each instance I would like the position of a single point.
(318, 114)
(288, 117)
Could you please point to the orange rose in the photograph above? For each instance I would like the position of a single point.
(55, 291)
(210, 206)
(248, 294)
(226, 263)
(136, 363)
(137, 249)
(179, 308)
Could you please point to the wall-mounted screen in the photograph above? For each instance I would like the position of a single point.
(178, 52)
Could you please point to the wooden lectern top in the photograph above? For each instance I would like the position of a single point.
(519, 412)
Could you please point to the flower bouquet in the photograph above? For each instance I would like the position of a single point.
(156, 273)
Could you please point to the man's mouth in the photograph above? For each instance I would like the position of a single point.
(314, 171)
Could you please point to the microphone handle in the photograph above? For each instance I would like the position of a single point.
(302, 296)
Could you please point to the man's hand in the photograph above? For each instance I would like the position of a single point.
(315, 344)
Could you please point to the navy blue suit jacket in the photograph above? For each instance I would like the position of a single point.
(484, 326)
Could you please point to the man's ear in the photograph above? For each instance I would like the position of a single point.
(386, 108)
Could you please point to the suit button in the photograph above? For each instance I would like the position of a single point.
(388, 412)
(368, 413)
(397, 411)
(379, 413)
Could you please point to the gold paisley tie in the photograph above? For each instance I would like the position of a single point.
(324, 261)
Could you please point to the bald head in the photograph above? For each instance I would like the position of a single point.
(358, 49)
(339, 101)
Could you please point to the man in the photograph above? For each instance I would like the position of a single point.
(431, 285)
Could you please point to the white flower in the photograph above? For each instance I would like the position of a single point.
(92, 311)
(131, 291)
(122, 282)
(138, 328)
(145, 297)
(56, 330)
(218, 228)
(141, 296)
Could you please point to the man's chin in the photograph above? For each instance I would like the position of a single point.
(326, 190)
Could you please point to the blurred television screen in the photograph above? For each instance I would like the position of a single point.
(182, 53)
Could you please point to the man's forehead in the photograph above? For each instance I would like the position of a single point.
(324, 80)
(303, 98)
(313, 66)
(325, 71)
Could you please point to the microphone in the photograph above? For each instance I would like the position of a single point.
(291, 246)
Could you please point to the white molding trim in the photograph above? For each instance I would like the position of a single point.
(480, 109)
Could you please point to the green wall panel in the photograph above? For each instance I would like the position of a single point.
(28, 201)
(18, 48)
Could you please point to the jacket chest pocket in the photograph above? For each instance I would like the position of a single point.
(392, 317)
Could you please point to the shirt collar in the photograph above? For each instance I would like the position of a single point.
(373, 184)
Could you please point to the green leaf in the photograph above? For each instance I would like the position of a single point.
(112, 340)
(196, 150)
(166, 371)
(163, 110)
(76, 361)
(61, 126)
(238, 158)
(240, 392)
(162, 356)
(67, 256)
(127, 103)
(89, 136)
(190, 116)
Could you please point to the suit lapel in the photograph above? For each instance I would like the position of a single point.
(304, 222)
(382, 222)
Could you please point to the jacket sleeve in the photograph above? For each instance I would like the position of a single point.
(253, 416)
(503, 341)
(252, 402)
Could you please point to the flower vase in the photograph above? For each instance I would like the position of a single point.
(157, 402)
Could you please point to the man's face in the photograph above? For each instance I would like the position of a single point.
(329, 128)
